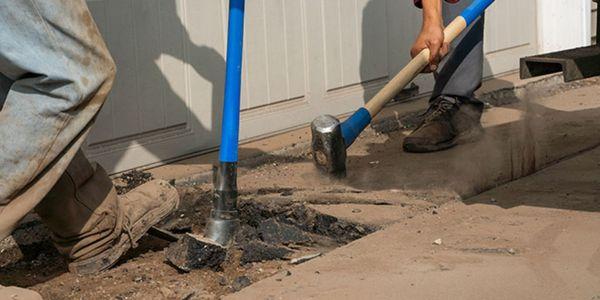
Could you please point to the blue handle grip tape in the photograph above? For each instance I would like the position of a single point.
(471, 13)
(352, 127)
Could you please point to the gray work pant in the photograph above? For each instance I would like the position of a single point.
(461, 72)
(55, 74)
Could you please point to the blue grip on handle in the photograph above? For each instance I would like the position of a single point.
(352, 127)
(233, 81)
(475, 10)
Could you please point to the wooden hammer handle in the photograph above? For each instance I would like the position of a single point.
(411, 70)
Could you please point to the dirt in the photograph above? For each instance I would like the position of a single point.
(271, 234)
(129, 180)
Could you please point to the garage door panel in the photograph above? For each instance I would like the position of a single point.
(277, 64)
(294, 23)
(171, 61)
(332, 43)
(404, 22)
(258, 93)
(103, 128)
(151, 84)
(373, 27)
(315, 50)
(510, 24)
(121, 36)
(510, 34)
(204, 66)
(350, 47)
(355, 41)
(119, 116)
(274, 53)
(149, 91)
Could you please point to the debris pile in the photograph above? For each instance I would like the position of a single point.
(132, 179)
(195, 252)
(268, 232)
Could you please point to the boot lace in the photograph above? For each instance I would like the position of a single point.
(442, 106)
(130, 235)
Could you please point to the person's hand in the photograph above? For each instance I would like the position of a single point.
(432, 38)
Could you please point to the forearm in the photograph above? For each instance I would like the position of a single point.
(432, 33)
(432, 13)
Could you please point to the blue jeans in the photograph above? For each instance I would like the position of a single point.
(460, 73)
(55, 74)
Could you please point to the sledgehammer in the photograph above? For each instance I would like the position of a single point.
(331, 138)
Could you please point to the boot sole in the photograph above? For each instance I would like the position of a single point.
(109, 258)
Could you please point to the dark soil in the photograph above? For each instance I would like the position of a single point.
(130, 180)
(271, 234)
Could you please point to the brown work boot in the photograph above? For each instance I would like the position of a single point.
(91, 224)
(447, 121)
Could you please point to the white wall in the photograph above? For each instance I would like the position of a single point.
(563, 24)
(302, 58)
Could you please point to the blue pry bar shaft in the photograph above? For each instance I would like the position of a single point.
(233, 81)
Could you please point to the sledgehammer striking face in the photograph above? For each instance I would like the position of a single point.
(329, 149)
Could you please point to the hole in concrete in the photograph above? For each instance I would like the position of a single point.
(272, 234)
(270, 230)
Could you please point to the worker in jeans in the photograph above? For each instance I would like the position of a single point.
(55, 75)
(454, 115)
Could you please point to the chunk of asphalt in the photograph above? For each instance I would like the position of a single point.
(274, 232)
(195, 252)
(257, 251)
(246, 234)
(241, 282)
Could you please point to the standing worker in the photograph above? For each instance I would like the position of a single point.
(55, 75)
(454, 114)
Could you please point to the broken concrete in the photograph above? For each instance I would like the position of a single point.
(241, 282)
(257, 251)
(274, 232)
(130, 180)
(195, 252)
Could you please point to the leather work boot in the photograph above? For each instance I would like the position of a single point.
(91, 224)
(448, 121)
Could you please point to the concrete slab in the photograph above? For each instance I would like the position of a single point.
(536, 129)
(535, 238)
(378, 215)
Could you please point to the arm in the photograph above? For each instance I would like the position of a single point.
(432, 34)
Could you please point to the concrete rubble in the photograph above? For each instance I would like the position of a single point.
(195, 252)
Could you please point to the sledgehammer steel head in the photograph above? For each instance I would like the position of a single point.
(328, 147)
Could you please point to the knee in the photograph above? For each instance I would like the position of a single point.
(100, 74)
(94, 80)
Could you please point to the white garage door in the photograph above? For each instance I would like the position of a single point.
(302, 58)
